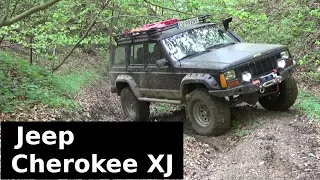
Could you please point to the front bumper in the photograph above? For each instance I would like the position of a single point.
(251, 88)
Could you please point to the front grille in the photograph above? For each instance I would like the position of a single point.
(261, 66)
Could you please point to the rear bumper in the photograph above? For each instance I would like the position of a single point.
(250, 88)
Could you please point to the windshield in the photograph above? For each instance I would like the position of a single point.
(194, 41)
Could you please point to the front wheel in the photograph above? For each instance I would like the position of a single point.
(284, 99)
(133, 108)
(208, 115)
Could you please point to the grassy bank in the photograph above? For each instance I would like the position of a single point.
(24, 85)
(309, 104)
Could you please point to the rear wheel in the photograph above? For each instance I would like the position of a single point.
(208, 115)
(133, 108)
(283, 100)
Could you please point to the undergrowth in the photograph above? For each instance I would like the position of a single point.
(24, 85)
(309, 104)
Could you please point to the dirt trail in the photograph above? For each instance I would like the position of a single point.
(261, 144)
(282, 147)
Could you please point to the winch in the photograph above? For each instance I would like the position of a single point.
(268, 80)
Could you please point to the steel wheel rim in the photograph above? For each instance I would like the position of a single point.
(201, 114)
(129, 105)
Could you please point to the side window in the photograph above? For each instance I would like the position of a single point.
(120, 55)
(155, 53)
(136, 54)
(151, 47)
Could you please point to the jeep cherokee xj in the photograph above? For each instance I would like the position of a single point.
(197, 64)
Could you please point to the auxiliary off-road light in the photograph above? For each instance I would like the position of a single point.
(246, 76)
(281, 63)
(229, 75)
(284, 55)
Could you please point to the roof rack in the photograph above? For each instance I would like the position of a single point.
(149, 29)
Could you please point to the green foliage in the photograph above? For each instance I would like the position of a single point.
(308, 103)
(163, 108)
(241, 132)
(71, 84)
(312, 57)
(61, 26)
(23, 85)
(280, 22)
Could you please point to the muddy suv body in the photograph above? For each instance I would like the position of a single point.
(202, 66)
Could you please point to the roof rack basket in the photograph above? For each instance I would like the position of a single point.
(148, 32)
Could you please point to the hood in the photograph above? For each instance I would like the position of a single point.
(228, 56)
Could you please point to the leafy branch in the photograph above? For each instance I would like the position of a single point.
(8, 22)
(13, 11)
(162, 7)
(82, 38)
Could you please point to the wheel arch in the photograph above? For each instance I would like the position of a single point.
(123, 81)
(193, 81)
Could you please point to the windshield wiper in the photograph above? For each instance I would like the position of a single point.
(220, 45)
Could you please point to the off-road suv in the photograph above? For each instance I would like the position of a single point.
(197, 64)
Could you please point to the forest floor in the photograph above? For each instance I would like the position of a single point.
(260, 145)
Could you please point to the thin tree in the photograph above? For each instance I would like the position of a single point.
(7, 22)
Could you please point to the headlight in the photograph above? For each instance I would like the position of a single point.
(284, 55)
(281, 63)
(229, 75)
(246, 76)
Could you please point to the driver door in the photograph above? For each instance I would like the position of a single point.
(161, 82)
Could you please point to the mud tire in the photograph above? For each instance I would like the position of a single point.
(136, 110)
(219, 117)
(285, 99)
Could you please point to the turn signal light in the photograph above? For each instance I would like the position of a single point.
(233, 83)
(223, 81)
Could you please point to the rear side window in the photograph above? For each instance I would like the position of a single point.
(137, 54)
(120, 55)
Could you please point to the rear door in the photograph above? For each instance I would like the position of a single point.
(136, 66)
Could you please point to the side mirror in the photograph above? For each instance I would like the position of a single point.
(162, 63)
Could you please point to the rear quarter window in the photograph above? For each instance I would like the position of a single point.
(120, 56)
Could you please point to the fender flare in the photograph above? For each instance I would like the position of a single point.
(197, 78)
(130, 81)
